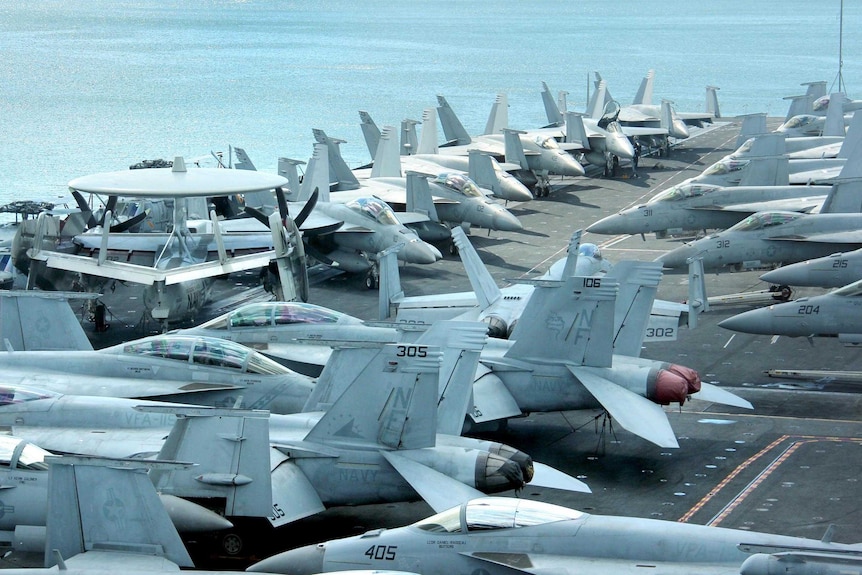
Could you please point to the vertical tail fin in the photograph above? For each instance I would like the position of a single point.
(462, 342)
(480, 168)
(846, 193)
(255, 199)
(575, 131)
(453, 130)
(316, 175)
(552, 109)
(712, 101)
(108, 505)
(766, 171)
(428, 139)
(514, 149)
(638, 283)
(570, 321)
(409, 140)
(370, 131)
(596, 107)
(287, 169)
(390, 292)
(243, 162)
(344, 177)
(419, 197)
(698, 301)
(644, 93)
(236, 466)
(498, 119)
(391, 403)
(487, 291)
(387, 161)
(752, 125)
(41, 321)
(853, 138)
(572, 254)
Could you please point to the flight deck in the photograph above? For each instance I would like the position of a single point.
(790, 466)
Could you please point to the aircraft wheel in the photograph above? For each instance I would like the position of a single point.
(372, 281)
(232, 544)
(453, 249)
(615, 166)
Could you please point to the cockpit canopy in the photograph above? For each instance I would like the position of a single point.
(10, 394)
(762, 220)
(374, 208)
(590, 251)
(459, 183)
(799, 121)
(209, 351)
(16, 453)
(725, 167)
(547, 143)
(683, 191)
(487, 513)
(267, 314)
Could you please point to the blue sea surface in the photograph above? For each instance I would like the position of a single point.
(97, 85)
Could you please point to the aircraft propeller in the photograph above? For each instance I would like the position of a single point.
(112, 203)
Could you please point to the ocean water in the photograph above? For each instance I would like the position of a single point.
(96, 85)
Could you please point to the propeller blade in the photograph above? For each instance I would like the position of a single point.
(85, 209)
(282, 203)
(130, 223)
(307, 208)
(109, 207)
(258, 215)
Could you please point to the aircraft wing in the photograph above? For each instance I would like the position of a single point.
(147, 275)
(643, 131)
(543, 563)
(440, 491)
(634, 412)
(633, 115)
(849, 237)
(805, 205)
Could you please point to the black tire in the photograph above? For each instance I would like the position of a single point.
(232, 544)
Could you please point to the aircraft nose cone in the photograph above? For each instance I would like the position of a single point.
(609, 225)
(757, 321)
(513, 190)
(792, 275)
(306, 560)
(505, 221)
(419, 252)
(679, 130)
(621, 147)
(569, 166)
(676, 259)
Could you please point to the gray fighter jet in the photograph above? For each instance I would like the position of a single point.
(692, 206)
(456, 199)
(501, 536)
(832, 271)
(766, 238)
(381, 438)
(835, 314)
(422, 155)
(106, 517)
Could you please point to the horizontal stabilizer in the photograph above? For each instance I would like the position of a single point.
(715, 394)
(293, 495)
(633, 412)
(547, 476)
(440, 491)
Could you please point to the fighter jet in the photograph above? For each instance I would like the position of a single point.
(422, 155)
(832, 271)
(835, 314)
(378, 440)
(766, 238)
(502, 536)
(602, 138)
(644, 96)
(566, 337)
(540, 154)
(368, 224)
(24, 476)
(692, 206)
(457, 200)
(106, 516)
